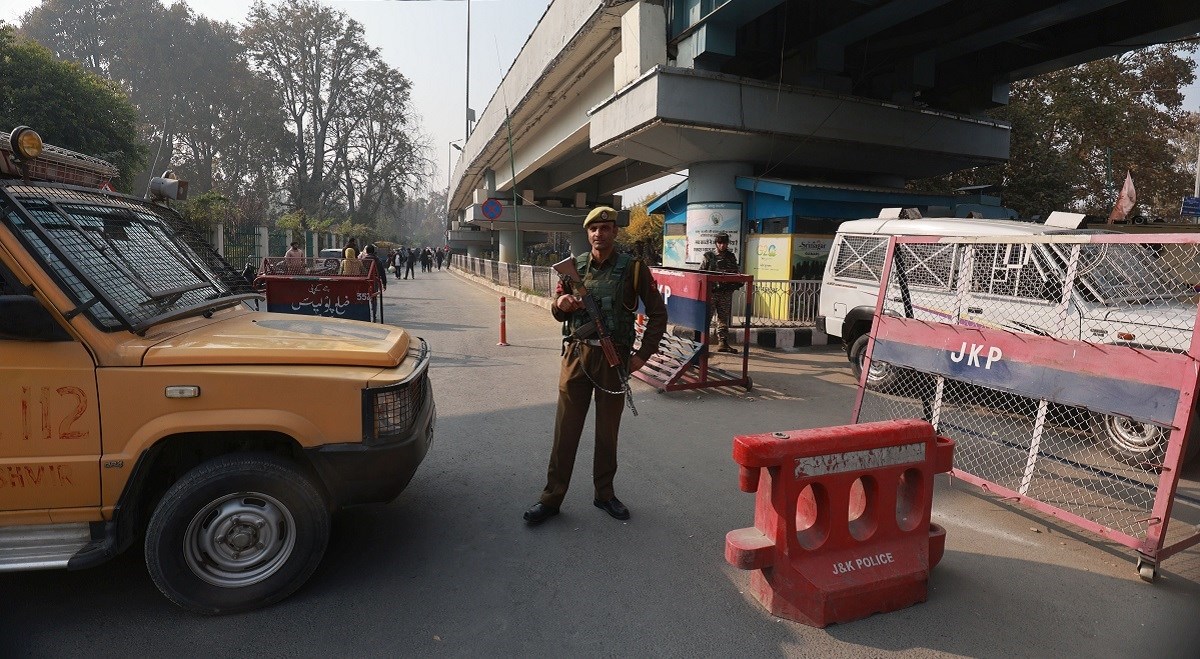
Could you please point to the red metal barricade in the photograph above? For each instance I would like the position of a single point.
(684, 363)
(315, 287)
(842, 518)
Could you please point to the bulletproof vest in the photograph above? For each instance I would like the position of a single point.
(608, 287)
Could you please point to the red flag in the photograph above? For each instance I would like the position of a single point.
(1125, 200)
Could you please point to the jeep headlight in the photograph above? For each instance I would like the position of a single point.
(389, 412)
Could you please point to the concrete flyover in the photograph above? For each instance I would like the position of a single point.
(608, 94)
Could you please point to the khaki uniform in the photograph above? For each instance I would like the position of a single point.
(576, 388)
(722, 300)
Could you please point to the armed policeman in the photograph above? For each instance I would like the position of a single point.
(724, 261)
(615, 283)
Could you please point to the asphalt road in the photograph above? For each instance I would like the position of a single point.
(449, 568)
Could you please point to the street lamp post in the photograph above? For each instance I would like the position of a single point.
(450, 160)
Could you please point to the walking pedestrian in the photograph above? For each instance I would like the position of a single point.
(438, 256)
(410, 262)
(398, 262)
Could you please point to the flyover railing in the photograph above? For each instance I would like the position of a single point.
(535, 279)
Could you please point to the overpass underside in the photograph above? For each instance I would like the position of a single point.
(614, 93)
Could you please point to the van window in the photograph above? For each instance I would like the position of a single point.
(860, 257)
(1015, 270)
(928, 265)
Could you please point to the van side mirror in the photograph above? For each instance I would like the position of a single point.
(23, 318)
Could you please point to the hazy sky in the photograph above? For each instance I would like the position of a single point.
(424, 39)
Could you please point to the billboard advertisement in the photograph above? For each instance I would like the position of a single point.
(809, 253)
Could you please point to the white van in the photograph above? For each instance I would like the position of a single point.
(850, 284)
(849, 291)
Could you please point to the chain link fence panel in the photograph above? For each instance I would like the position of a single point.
(1061, 365)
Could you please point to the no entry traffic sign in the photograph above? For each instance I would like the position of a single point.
(492, 209)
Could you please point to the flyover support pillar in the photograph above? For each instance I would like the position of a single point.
(508, 246)
(714, 197)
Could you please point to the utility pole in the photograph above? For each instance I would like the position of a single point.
(512, 164)
(467, 84)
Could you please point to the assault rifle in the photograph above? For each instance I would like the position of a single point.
(569, 275)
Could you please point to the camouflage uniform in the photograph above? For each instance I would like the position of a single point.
(722, 300)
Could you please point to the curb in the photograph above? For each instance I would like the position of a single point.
(537, 300)
(778, 338)
(784, 338)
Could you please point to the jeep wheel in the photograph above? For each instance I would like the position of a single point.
(235, 533)
(1142, 444)
(881, 376)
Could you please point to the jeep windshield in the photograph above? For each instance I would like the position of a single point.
(125, 263)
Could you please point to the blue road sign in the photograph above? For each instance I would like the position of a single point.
(492, 209)
(1191, 207)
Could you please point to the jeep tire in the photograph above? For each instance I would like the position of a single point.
(881, 377)
(1142, 444)
(235, 533)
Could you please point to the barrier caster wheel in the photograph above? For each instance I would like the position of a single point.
(660, 391)
(749, 383)
(1147, 570)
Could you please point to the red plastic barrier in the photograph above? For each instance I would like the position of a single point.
(841, 522)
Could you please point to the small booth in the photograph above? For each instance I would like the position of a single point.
(682, 362)
(322, 287)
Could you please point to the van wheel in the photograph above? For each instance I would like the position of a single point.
(1143, 444)
(881, 376)
(238, 532)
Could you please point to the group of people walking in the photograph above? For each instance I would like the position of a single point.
(402, 259)
(406, 258)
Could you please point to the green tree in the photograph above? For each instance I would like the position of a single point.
(74, 30)
(421, 221)
(349, 114)
(68, 106)
(1069, 125)
(206, 210)
(203, 112)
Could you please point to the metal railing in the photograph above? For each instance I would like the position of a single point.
(776, 303)
(790, 303)
(535, 279)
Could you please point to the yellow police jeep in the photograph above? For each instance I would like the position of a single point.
(142, 399)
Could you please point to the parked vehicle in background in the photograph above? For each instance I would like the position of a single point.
(141, 399)
(1020, 282)
(331, 258)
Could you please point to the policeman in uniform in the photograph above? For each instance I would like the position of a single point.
(722, 260)
(617, 281)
